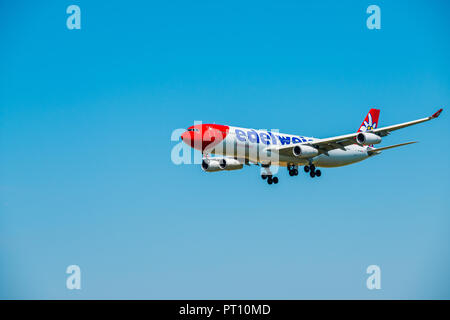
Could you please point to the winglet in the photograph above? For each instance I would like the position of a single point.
(437, 113)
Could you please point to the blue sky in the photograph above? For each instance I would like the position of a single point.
(86, 176)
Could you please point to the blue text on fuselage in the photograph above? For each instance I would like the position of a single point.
(267, 137)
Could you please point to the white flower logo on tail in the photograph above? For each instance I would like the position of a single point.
(368, 125)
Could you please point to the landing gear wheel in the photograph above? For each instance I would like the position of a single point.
(291, 173)
(312, 167)
(295, 172)
(306, 168)
(312, 174)
(275, 180)
(318, 173)
(264, 176)
(269, 180)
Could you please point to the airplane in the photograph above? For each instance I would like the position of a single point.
(234, 147)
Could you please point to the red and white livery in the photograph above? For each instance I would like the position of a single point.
(235, 147)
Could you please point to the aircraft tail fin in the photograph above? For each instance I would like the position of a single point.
(370, 121)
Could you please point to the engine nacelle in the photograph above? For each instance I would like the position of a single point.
(302, 151)
(230, 164)
(365, 138)
(219, 164)
(210, 165)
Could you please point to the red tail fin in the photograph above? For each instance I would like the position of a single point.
(371, 120)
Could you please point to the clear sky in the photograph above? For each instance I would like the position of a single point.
(86, 176)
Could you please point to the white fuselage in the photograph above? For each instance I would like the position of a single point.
(251, 144)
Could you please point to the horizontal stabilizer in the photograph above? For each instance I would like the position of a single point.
(377, 150)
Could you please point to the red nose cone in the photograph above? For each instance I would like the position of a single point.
(204, 136)
(186, 137)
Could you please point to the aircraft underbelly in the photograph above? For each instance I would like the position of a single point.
(339, 158)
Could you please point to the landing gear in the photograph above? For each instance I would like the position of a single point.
(293, 171)
(267, 175)
(312, 171)
(271, 180)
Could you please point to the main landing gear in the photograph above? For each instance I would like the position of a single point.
(293, 170)
(312, 171)
(267, 175)
(270, 179)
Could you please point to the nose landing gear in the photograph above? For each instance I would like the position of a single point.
(267, 175)
(270, 178)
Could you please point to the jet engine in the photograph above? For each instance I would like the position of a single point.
(219, 164)
(210, 165)
(365, 138)
(230, 164)
(303, 151)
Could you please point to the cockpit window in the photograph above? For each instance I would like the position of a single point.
(193, 129)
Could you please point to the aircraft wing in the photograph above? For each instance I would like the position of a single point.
(339, 142)
(386, 130)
